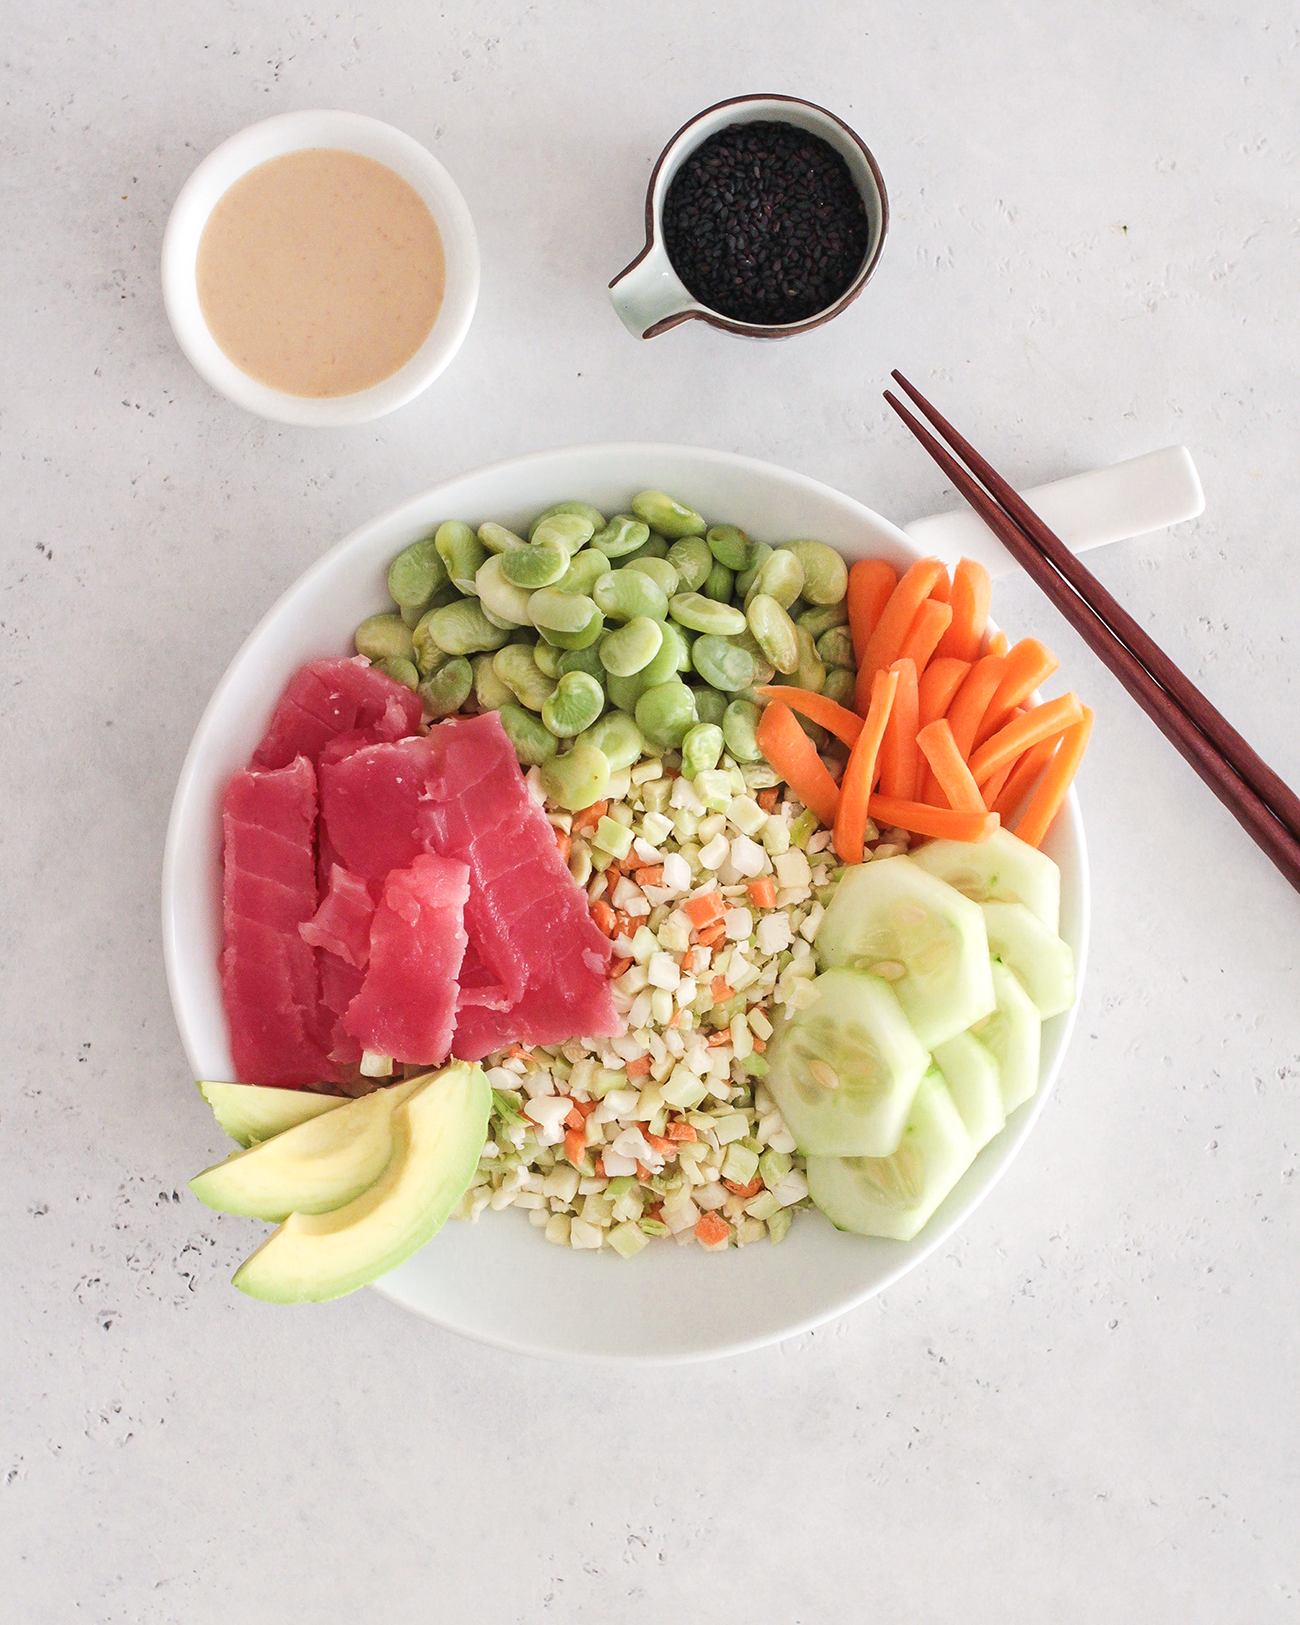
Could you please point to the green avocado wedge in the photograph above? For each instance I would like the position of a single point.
(438, 1133)
(319, 1165)
(249, 1113)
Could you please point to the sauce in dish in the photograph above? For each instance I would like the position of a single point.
(320, 273)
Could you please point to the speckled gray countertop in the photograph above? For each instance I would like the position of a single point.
(1085, 1406)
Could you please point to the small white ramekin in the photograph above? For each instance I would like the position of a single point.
(295, 132)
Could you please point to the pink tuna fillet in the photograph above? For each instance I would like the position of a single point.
(407, 1004)
(341, 925)
(333, 697)
(269, 977)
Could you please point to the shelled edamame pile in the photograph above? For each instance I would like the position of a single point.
(624, 657)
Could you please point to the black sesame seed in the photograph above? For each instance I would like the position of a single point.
(764, 224)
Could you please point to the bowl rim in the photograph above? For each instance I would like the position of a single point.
(392, 519)
(277, 137)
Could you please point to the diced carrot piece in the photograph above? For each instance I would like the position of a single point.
(712, 1229)
(1029, 665)
(643, 1173)
(721, 990)
(705, 909)
(899, 756)
(589, 817)
(625, 924)
(970, 597)
(762, 892)
(573, 1118)
(860, 775)
(751, 1189)
(940, 822)
(886, 642)
(925, 632)
(675, 1020)
(575, 1146)
(1024, 775)
(657, 1142)
(794, 756)
(618, 966)
(584, 1108)
(712, 935)
(655, 1211)
(600, 1168)
(603, 917)
(564, 843)
(639, 1067)
(682, 1131)
(767, 799)
(760, 1044)
(652, 874)
(718, 1039)
(871, 584)
(1050, 794)
(846, 725)
(1011, 742)
(954, 777)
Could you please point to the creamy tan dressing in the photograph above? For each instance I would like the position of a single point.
(320, 273)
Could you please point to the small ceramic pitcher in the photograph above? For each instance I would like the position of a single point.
(648, 294)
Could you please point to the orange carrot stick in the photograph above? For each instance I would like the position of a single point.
(1047, 799)
(938, 684)
(929, 626)
(794, 756)
(1023, 777)
(836, 719)
(886, 643)
(1029, 665)
(996, 644)
(899, 756)
(860, 774)
(1010, 743)
(871, 581)
(993, 789)
(954, 777)
(967, 711)
(940, 822)
(971, 595)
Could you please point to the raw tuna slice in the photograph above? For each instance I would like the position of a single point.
(341, 925)
(269, 975)
(333, 697)
(407, 1004)
(370, 803)
(339, 985)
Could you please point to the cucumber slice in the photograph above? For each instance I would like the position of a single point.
(924, 938)
(975, 1085)
(314, 1168)
(1000, 869)
(1043, 963)
(844, 1069)
(1012, 1035)
(894, 1196)
(249, 1112)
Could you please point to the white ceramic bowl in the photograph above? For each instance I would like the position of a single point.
(273, 138)
(497, 1280)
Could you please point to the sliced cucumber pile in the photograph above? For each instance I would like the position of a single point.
(1043, 963)
(998, 870)
(975, 1084)
(1012, 1035)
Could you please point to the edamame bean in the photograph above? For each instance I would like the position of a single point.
(556, 611)
(401, 671)
(692, 561)
(548, 659)
(680, 644)
(740, 730)
(580, 639)
(447, 690)
(665, 713)
(521, 674)
(583, 574)
(660, 572)
(624, 595)
(722, 664)
(729, 546)
(840, 685)
(775, 632)
(759, 553)
(490, 692)
(457, 629)
(460, 551)
(534, 567)
(583, 510)
(825, 574)
(566, 530)
(809, 673)
(497, 539)
(587, 660)
(781, 577)
(704, 615)
(632, 647)
(383, 637)
(668, 517)
(577, 778)
(618, 738)
(624, 692)
(655, 548)
(623, 534)
(824, 617)
(701, 749)
(577, 702)
(710, 705)
(718, 584)
(533, 744)
(835, 648)
(764, 670)
(501, 601)
(416, 574)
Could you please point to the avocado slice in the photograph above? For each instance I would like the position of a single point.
(438, 1134)
(248, 1112)
(317, 1166)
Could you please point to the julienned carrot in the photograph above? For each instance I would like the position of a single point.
(937, 685)
(794, 756)
(940, 822)
(993, 789)
(836, 719)
(970, 597)
(929, 626)
(860, 775)
(946, 763)
(967, 710)
(871, 581)
(1010, 743)
(1029, 665)
(886, 643)
(1023, 776)
(1047, 799)
(996, 644)
(898, 753)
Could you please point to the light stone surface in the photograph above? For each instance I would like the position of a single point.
(1085, 1407)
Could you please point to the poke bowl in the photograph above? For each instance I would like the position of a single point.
(494, 1280)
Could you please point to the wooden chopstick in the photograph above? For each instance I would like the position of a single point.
(1251, 810)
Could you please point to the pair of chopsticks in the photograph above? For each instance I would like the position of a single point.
(1265, 807)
